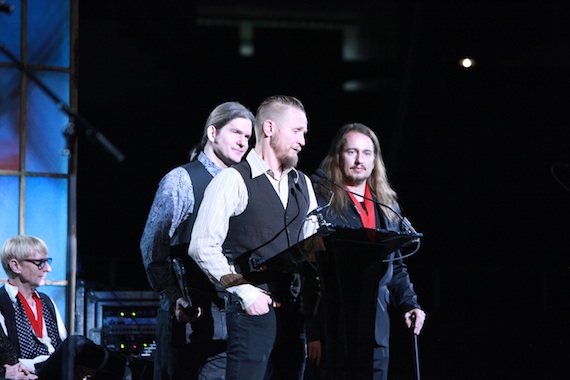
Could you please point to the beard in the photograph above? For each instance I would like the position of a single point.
(351, 177)
(288, 162)
(283, 153)
(355, 179)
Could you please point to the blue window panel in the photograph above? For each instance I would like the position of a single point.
(9, 195)
(57, 293)
(9, 119)
(46, 122)
(10, 31)
(46, 217)
(49, 32)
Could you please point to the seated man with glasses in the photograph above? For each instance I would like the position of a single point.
(34, 325)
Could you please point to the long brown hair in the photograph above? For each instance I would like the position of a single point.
(378, 180)
(219, 117)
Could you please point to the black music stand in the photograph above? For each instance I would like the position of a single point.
(349, 264)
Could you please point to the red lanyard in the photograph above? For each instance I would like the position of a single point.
(367, 214)
(35, 322)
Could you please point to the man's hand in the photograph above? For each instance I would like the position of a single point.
(184, 313)
(419, 317)
(19, 371)
(314, 351)
(260, 306)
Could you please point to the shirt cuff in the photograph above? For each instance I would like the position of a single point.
(246, 293)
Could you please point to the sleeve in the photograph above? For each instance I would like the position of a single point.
(7, 353)
(60, 325)
(311, 224)
(225, 196)
(404, 297)
(173, 202)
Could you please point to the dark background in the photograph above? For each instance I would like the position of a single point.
(471, 152)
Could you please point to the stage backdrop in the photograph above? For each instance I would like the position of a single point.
(36, 176)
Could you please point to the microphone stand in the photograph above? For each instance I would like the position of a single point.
(404, 222)
(416, 356)
(415, 348)
(325, 228)
(76, 121)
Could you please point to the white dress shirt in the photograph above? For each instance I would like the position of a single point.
(227, 196)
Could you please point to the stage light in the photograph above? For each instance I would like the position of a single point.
(467, 62)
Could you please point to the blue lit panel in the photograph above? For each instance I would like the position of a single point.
(9, 191)
(45, 124)
(10, 31)
(49, 32)
(57, 293)
(9, 119)
(46, 217)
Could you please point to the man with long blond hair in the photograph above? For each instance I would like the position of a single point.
(365, 199)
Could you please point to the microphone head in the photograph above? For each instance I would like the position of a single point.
(320, 173)
(315, 178)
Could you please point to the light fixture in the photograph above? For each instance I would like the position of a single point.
(467, 62)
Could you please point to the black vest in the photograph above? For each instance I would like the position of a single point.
(202, 290)
(265, 228)
(200, 178)
(24, 335)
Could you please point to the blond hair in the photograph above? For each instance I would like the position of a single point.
(21, 247)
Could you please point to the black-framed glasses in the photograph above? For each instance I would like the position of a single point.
(40, 263)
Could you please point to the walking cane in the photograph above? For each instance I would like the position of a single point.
(416, 348)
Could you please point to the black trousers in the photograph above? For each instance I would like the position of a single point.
(205, 354)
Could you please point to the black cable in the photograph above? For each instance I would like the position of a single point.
(556, 177)
(404, 222)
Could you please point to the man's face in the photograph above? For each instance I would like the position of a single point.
(232, 140)
(30, 271)
(357, 158)
(289, 137)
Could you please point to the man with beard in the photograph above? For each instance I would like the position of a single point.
(365, 199)
(258, 207)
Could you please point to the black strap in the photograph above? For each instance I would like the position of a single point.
(200, 178)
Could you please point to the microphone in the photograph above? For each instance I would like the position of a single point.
(324, 226)
(320, 209)
(405, 224)
(5, 7)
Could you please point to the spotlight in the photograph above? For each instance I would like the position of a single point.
(467, 63)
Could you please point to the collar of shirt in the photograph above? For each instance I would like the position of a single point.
(210, 166)
(259, 167)
(281, 185)
(13, 293)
